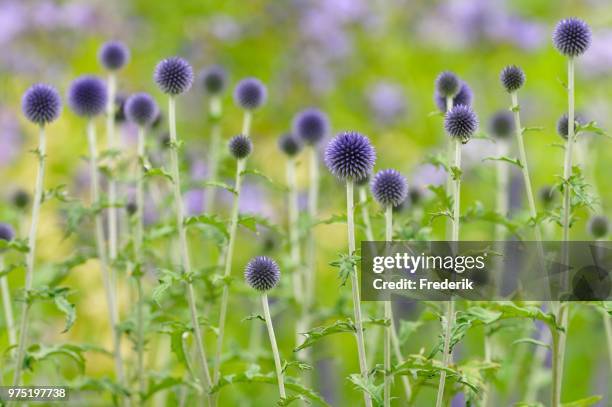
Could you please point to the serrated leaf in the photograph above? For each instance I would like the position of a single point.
(513, 161)
(369, 386)
(19, 245)
(158, 172)
(314, 335)
(346, 265)
(456, 173)
(38, 353)
(211, 220)
(590, 127)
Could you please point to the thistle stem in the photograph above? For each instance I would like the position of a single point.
(30, 256)
(388, 316)
(608, 328)
(449, 181)
(178, 203)
(450, 304)
(277, 359)
(8, 307)
(112, 185)
(562, 312)
(99, 231)
(350, 211)
(365, 214)
(139, 257)
(213, 157)
(240, 166)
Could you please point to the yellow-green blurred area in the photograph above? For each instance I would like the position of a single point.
(371, 66)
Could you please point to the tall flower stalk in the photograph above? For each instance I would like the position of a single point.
(262, 273)
(249, 94)
(7, 234)
(350, 156)
(174, 76)
(460, 123)
(41, 105)
(141, 110)
(572, 37)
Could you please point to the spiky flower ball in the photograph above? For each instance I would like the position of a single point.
(213, 80)
(562, 125)
(6, 232)
(114, 55)
(250, 93)
(41, 104)
(87, 96)
(598, 226)
(572, 37)
(141, 109)
(389, 188)
(262, 273)
(447, 84)
(512, 78)
(461, 122)
(463, 97)
(502, 124)
(350, 156)
(20, 198)
(131, 207)
(311, 125)
(173, 75)
(240, 146)
(289, 144)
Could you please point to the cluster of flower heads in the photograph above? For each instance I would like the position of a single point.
(448, 85)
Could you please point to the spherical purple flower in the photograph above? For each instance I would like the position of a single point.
(572, 37)
(114, 55)
(289, 144)
(512, 78)
(141, 109)
(262, 273)
(502, 124)
(20, 198)
(463, 97)
(461, 122)
(598, 226)
(562, 125)
(250, 93)
(173, 75)
(213, 79)
(389, 188)
(350, 156)
(311, 125)
(447, 84)
(240, 146)
(41, 104)
(87, 96)
(6, 232)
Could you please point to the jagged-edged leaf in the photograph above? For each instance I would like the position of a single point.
(59, 192)
(158, 172)
(19, 245)
(165, 281)
(513, 161)
(211, 220)
(37, 353)
(299, 365)
(346, 265)
(590, 127)
(69, 310)
(59, 296)
(314, 335)
(218, 184)
(376, 322)
(368, 385)
(254, 316)
(455, 173)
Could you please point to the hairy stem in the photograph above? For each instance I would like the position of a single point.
(449, 181)
(350, 212)
(275, 353)
(213, 156)
(8, 307)
(30, 256)
(186, 261)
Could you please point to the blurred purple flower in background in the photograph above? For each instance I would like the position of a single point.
(428, 174)
(11, 140)
(598, 59)
(198, 170)
(387, 102)
(194, 202)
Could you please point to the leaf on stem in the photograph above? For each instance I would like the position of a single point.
(314, 335)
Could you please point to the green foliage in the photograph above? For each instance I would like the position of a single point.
(314, 335)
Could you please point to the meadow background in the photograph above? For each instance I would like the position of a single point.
(371, 66)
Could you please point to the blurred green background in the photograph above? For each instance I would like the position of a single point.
(370, 65)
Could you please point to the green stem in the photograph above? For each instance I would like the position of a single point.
(608, 328)
(180, 224)
(139, 257)
(30, 256)
(277, 360)
(388, 316)
(8, 307)
(449, 180)
(112, 185)
(365, 214)
(213, 157)
(350, 212)
(450, 304)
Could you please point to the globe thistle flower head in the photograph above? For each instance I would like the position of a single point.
(173, 75)
(289, 144)
(131, 207)
(512, 78)
(6, 232)
(461, 122)
(262, 273)
(598, 226)
(463, 97)
(572, 37)
(213, 80)
(389, 188)
(141, 109)
(114, 55)
(502, 124)
(87, 96)
(447, 84)
(311, 125)
(20, 198)
(562, 125)
(240, 146)
(350, 156)
(250, 94)
(41, 104)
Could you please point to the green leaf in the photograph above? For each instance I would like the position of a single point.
(407, 329)
(12, 268)
(347, 264)
(513, 161)
(162, 384)
(316, 334)
(38, 353)
(248, 221)
(59, 192)
(158, 172)
(367, 385)
(19, 245)
(254, 316)
(590, 127)
(585, 402)
(68, 309)
(211, 220)
(263, 176)
(438, 161)
(456, 173)
(530, 129)
(218, 184)
(299, 365)
(531, 341)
